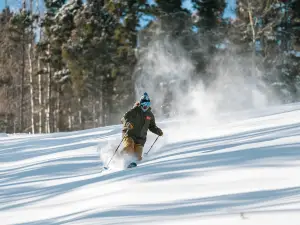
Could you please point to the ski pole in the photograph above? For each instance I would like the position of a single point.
(116, 150)
(151, 146)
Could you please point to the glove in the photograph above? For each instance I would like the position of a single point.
(159, 132)
(129, 125)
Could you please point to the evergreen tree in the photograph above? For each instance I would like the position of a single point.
(174, 21)
(209, 13)
(211, 31)
(90, 56)
(129, 12)
(58, 25)
(265, 29)
(22, 36)
(295, 24)
(8, 70)
(167, 7)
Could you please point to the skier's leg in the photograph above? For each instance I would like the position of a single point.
(138, 150)
(128, 146)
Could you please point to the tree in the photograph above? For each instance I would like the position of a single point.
(58, 26)
(129, 12)
(21, 34)
(211, 25)
(265, 29)
(7, 75)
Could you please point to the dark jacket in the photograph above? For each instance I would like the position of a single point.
(141, 121)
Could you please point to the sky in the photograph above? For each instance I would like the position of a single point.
(230, 9)
(14, 4)
(11, 3)
(2, 4)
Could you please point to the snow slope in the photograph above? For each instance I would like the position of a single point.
(243, 171)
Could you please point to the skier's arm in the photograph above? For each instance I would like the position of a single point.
(126, 119)
(153, 128)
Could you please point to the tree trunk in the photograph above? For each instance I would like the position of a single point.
(56, 119)
(31, 89)
(70, 119)
(101, 106)
(41, 108)
(94, 113)
(40, 97)
(48, 114)
(22, 84)
(81, 123)
(253, 38)
(31, 6)
(59, 112)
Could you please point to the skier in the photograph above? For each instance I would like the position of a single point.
(136, 123)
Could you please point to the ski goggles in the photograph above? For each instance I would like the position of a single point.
(145, 105)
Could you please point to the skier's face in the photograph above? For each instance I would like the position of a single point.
(145, 106)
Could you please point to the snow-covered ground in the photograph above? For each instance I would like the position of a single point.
(241, 171)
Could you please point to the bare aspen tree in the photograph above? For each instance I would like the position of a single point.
(80, 113)
(101, 103)
(40, 126)
(31, 74)
(57, 111)
(31, 6)
(40, 99)
(70, 119)
(21, 111)
(48, 113)
(253, 36)
(31, 88)
(94, 113)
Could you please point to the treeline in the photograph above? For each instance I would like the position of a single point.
(70, 65)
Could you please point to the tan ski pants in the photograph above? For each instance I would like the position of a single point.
(132, 148)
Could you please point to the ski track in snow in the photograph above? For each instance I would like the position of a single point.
(243, 171)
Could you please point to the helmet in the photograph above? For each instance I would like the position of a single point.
(145, 102)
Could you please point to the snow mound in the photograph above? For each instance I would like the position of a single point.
(243, 171)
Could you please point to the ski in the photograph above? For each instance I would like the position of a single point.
(132, 165)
